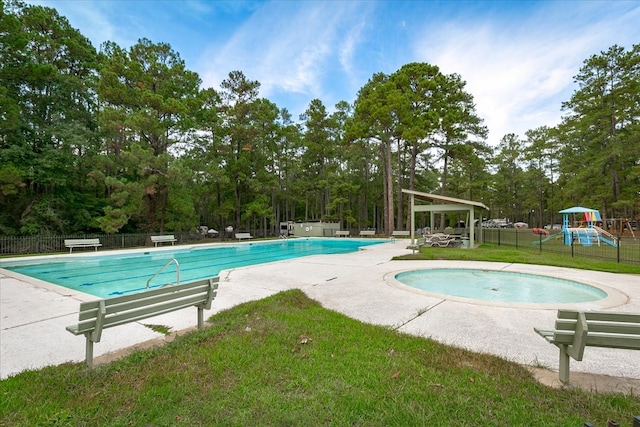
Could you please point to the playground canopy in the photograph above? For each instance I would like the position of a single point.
(590, 215)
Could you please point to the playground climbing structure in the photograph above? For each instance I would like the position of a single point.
(588, 234)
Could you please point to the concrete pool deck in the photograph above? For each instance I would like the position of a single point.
(361, 285)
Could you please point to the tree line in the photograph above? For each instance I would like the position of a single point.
(122, 139)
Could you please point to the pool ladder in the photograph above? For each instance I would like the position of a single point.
(166, 264)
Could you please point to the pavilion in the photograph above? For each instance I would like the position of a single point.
(435, 204)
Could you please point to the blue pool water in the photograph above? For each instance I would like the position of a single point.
(110, 275)
(500, 286)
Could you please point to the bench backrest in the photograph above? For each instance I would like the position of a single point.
(367, 232)
(243, 235)
(68, 242)
(105, 313)
(401, 233)
(601, 329)
(167, 237)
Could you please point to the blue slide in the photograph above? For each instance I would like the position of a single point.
(546, 239)
(608, 242)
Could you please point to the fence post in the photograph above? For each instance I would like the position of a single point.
(540, 242)
(516, 238)
(571, 242)
(618, 248)
(498, 236)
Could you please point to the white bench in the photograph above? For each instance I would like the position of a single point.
(417, 245)
(82, 243)
(163, 239)
(399, 233)
(109, 312)
(241, 236)
(367, 232)
(342, 233)
(575, 330)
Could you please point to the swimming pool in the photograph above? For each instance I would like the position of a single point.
(126, 272)
(500, 286)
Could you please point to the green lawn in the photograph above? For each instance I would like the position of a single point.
(526, 255)
(286, 361)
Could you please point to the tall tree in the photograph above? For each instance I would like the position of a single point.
(243, 128)
(149, 103)
(601, 133)
(376, 122)
(417, 90)
(320, 158)
(541, 157)
(46, 104)
(509, 173)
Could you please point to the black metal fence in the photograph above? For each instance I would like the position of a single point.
(12, 245)
(622, 249)
(626, 249)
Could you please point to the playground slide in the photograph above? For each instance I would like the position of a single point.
(608, 242)
(609, 239)
(550, 237)
(584, 239)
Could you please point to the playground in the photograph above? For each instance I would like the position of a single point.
(583, 226)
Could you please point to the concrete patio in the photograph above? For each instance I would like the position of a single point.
(361, 285)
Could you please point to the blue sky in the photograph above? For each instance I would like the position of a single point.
(517, 57)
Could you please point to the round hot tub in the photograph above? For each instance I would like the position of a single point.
(500, 286)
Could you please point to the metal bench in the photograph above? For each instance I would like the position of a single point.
(241, 236)
(109, 312)
(415, 246)
(367, 232)
(342, 233)
(163, 239)
(82, 243)
(399, 233)
(575, 330)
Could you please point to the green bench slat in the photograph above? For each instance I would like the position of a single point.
(601, 315)
(82, 243)
(153, 296)
(136, 312)
(623, 341)
(598, 326)
(603, 329)
(98, 315)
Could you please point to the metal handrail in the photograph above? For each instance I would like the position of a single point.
(165, 266)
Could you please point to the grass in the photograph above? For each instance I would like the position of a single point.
(511, 254)
(287, 361)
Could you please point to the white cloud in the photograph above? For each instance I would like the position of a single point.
(519, 74)
(518, 58)
(286, 48)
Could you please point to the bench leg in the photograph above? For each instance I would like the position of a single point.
(89, 352)
(200, 317)
(563, 372)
